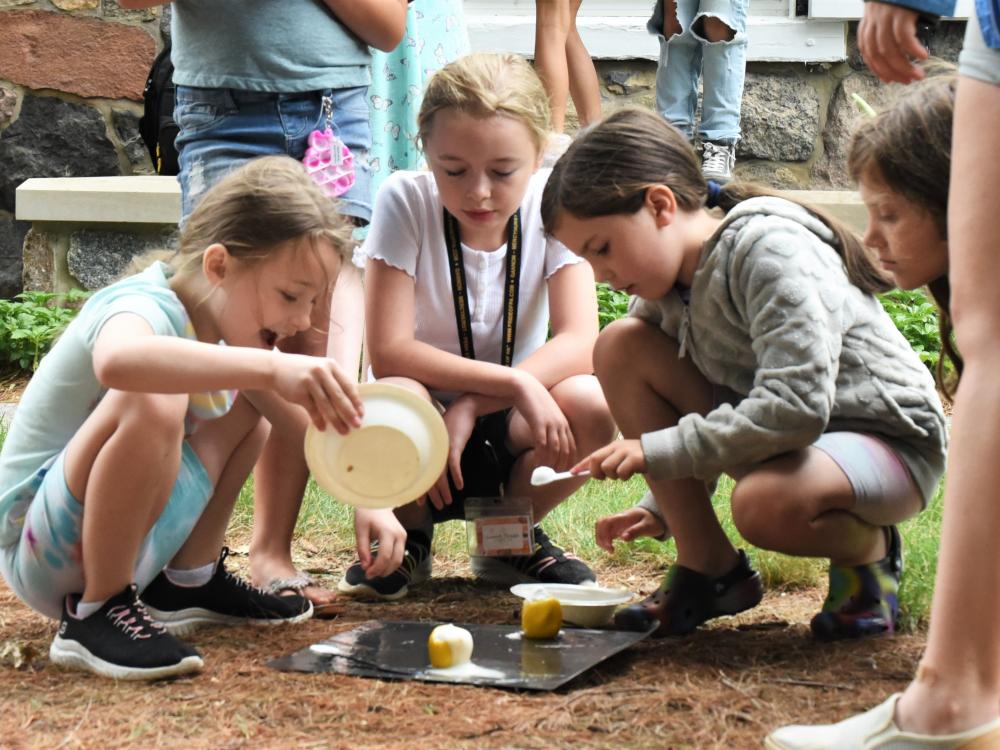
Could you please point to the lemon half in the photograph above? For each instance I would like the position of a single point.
(449, 646)
(541, 618)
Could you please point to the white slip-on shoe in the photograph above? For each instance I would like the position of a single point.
(877, 730)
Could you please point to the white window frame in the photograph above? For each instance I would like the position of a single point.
(616, 30)
(853, 9)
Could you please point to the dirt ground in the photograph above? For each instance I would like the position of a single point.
(723, 687)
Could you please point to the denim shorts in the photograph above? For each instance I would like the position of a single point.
(220, 129)
(46, 563)
(977, 60)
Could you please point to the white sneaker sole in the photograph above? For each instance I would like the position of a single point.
(876, 729)
(184, 621)
(75, 655)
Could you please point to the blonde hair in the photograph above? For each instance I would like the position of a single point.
(485, 84)
(255, 210)
(608, 168)
(907, 147)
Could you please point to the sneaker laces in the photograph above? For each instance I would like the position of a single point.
(238, 581)
(715, 159)
(133, 620)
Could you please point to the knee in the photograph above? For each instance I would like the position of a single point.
(713, 29)
(155, 415)
(757, 514)
(409, 384)
(582, 402)
(618, 341)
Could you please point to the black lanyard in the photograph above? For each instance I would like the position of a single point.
(460, 291)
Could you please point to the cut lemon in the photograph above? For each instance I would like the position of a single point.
(541, 618)
(449, 646)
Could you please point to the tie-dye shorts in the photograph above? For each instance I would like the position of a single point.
(46, 562)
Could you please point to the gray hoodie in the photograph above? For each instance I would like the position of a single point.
(772, 316)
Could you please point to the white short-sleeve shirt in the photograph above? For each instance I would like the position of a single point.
(407, 232)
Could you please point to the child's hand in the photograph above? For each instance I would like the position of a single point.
(459, 419)
(555, 445)
(618, 460)
(887, 36)
(628, 525)
(322, 387)
(380, 524)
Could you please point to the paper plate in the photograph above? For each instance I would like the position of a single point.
(393, 458)
(586, 606)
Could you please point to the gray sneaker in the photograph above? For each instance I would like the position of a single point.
(718, 161)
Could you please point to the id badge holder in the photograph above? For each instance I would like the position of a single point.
(499, 526)
(327, 159)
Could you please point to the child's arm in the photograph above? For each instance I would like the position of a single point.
(128, 356)
(380, 23)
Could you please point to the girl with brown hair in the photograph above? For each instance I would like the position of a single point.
(754, 347)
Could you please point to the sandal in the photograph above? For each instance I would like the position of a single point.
(297, 584)
(863, 599)
(687, 598)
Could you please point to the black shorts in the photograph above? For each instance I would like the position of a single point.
(486, 465)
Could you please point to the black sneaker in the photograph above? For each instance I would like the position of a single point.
(225, 600)
(121, 641)
(415, 568)
(547, 564)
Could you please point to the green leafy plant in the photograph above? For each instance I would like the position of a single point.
(611, 304)
(31, 322)
(917, 319)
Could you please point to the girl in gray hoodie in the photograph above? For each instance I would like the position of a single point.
(754, 347)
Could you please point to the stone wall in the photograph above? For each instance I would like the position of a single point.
(71, 80)
(72, 73)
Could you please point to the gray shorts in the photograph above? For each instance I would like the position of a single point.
(884, 490)
(977, 60)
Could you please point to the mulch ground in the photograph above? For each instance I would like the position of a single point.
(723, 687)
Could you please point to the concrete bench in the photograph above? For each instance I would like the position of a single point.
(84, 230)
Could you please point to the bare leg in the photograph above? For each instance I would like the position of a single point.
(798, 504)
(583, 83)
(653, 392)
(552, 22)
(228, 448)
(581, 400)
(958, 683)
(122, 464)
(281, 473)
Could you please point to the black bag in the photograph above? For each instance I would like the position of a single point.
(157, 127)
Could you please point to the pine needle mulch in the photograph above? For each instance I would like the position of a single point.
(724, 687)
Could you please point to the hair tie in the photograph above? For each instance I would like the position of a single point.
(714, 191)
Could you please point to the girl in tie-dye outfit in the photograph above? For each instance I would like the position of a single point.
(120, 469)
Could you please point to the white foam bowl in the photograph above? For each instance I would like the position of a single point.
(393, 458)
(583, 606)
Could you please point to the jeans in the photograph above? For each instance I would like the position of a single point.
(221, 129)
(686, 56)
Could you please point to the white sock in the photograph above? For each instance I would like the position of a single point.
(86, 609)
(191, 578)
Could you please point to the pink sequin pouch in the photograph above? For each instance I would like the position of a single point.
(327, 159)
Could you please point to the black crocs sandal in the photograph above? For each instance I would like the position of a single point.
(687, 598)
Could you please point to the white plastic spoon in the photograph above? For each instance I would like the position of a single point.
(546, 475)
